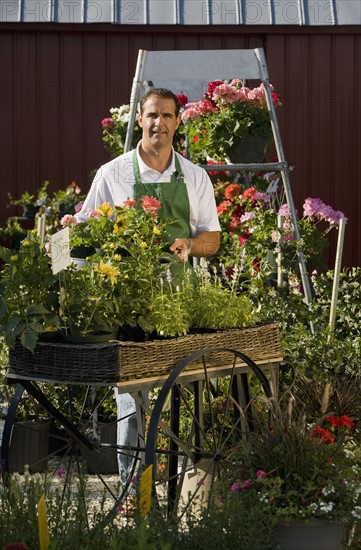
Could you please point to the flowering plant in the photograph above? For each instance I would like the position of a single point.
(130, 252)
(225, 114)
(302, 469)
(115, 130)
(256, 227)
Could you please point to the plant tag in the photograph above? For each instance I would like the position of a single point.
(44, 539)
(145, 495)
(60, 250)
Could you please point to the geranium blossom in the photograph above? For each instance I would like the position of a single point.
(247, 217)
(233, 190)
(130, 203)
(183, 99)
(68, 220)
(323, 435)
(107, 122)
(92, 213)
(316, 208)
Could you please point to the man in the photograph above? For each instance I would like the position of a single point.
(184, 190)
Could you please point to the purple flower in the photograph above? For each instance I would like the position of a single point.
(260, 474)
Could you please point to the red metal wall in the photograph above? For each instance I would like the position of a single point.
(57, 82)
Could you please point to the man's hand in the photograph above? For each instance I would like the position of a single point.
(181, 248)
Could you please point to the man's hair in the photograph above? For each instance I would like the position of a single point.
(162, 93)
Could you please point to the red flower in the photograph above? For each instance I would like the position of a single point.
(256, 264)
(323, 435)
(223, 207)
(213, 84)
(129, 203)
(344, 420)
(183, 99)
(233, 190)
(195, 139)
(243, 238)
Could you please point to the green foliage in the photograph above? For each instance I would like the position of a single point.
(27, 293)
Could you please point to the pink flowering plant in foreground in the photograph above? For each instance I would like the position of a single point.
(225, 114)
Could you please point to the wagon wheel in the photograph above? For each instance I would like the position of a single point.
(78, 447)
(194, 443)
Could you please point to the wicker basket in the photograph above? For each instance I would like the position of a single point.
(113, 362)
(157, 358)
(88, 363)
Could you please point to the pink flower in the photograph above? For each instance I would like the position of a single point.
(78, 207)
(226, 93)
(150, 204)
(285, 211)
(262, 197)
(260, 474)
(246, 483)
(192, 111)
(68, 220)
(235, 487)
(91, 213)
(247, 217)
(60, 473)
(107, 122)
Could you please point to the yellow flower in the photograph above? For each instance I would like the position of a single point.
(143, 245)
(105, 209)
(108, 272)
(156, 230)
(14, 258)
(117, 257)
(120, 225)
(25, 243)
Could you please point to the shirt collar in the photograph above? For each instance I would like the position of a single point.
(143, 168)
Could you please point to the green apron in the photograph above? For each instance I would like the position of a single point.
(173, 196)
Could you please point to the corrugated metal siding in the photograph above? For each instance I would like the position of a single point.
(56, 85)
(184, 12)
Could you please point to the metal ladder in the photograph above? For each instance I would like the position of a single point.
(188, 71)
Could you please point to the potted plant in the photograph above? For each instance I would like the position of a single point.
(252, 236)
(30, 203)
(28, 293)
(224, 116)
(305, 472)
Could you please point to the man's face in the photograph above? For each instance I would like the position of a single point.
(158, 122)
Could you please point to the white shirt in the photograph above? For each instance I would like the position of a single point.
(114, 183)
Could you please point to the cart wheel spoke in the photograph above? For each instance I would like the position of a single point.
(192, 444)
